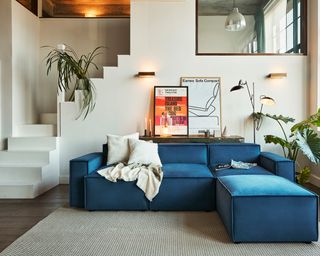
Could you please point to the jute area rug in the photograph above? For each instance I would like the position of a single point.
(78, 232)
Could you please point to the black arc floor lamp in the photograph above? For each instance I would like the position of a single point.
(264, 100)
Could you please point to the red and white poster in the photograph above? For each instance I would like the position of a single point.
(171, 110)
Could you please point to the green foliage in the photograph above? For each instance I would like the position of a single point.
(303, 175)
(73, 74)
(302, 138)
(281, 118)
(309, 143)
(313, 120)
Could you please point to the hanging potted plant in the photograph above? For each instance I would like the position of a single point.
(73, 74)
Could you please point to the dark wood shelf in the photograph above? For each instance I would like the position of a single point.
(194, 139)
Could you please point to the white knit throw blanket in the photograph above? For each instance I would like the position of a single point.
(148, 177)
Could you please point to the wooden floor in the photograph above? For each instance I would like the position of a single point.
(18, 216)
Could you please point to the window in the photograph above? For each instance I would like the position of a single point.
(283, 26)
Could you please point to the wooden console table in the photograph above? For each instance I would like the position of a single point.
(194, 139)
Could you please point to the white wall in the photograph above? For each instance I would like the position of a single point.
(25, 56)
(5, 71)
(167, 46)
(213, 38)
(84, 35)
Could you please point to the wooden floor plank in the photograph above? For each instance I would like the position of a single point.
(18, 216)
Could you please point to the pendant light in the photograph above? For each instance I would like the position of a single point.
(235, 21)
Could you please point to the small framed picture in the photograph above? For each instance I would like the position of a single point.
(171, 110)
(204, 104)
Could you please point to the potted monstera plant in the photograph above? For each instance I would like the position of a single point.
(73, 74)
(303, 138)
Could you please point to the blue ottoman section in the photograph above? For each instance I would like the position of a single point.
(101, 194)
(266, 208)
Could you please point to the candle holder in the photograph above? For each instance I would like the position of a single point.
(150, 133)
(145, 133)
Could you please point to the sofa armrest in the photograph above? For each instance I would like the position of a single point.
(80, 167)
(278, 165)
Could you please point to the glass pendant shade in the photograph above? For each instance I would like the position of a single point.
(235, 21)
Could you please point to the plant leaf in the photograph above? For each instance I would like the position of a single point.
(276, 140)
(282, 118)
(308, 142)
(303, 175)
(313, 120)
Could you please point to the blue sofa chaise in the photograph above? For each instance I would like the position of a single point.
(191, 183)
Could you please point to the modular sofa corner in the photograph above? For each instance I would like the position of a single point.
(191, 183)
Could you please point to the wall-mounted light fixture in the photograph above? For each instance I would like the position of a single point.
(146, 74)
(277, 75)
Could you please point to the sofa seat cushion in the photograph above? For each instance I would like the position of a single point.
(185, 187)
(182, 170)
(101, 194)
(258, 185)
(257, 170)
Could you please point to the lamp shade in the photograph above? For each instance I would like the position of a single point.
(235, 21)
(265, 100)
(237, 87)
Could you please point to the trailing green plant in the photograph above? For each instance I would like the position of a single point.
(73, 74)
(302, 138)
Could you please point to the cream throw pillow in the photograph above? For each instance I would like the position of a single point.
(118, 148)
(143, 152)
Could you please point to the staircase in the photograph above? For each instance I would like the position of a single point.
(30, 166)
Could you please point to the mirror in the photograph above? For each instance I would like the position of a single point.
(245, 27)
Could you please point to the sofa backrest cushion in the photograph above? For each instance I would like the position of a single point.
(223, 153)
(195, 153)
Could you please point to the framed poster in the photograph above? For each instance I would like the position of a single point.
(204, 103)
(170, 110)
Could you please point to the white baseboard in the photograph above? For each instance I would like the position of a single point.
(315, 180)
(64, 179)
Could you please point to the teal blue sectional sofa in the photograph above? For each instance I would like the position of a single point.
(191, 183)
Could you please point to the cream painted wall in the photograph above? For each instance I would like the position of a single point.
(213, 38)
(25, 56)
(163, 40)
(84, 35)
(5, 71)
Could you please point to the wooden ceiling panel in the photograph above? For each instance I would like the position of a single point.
(91, 2)
(86, 8)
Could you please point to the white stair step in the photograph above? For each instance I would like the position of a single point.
(36, 130)
(48, 118)
(24, 157)
(19, 190)
(10, 174)
(32, 143)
